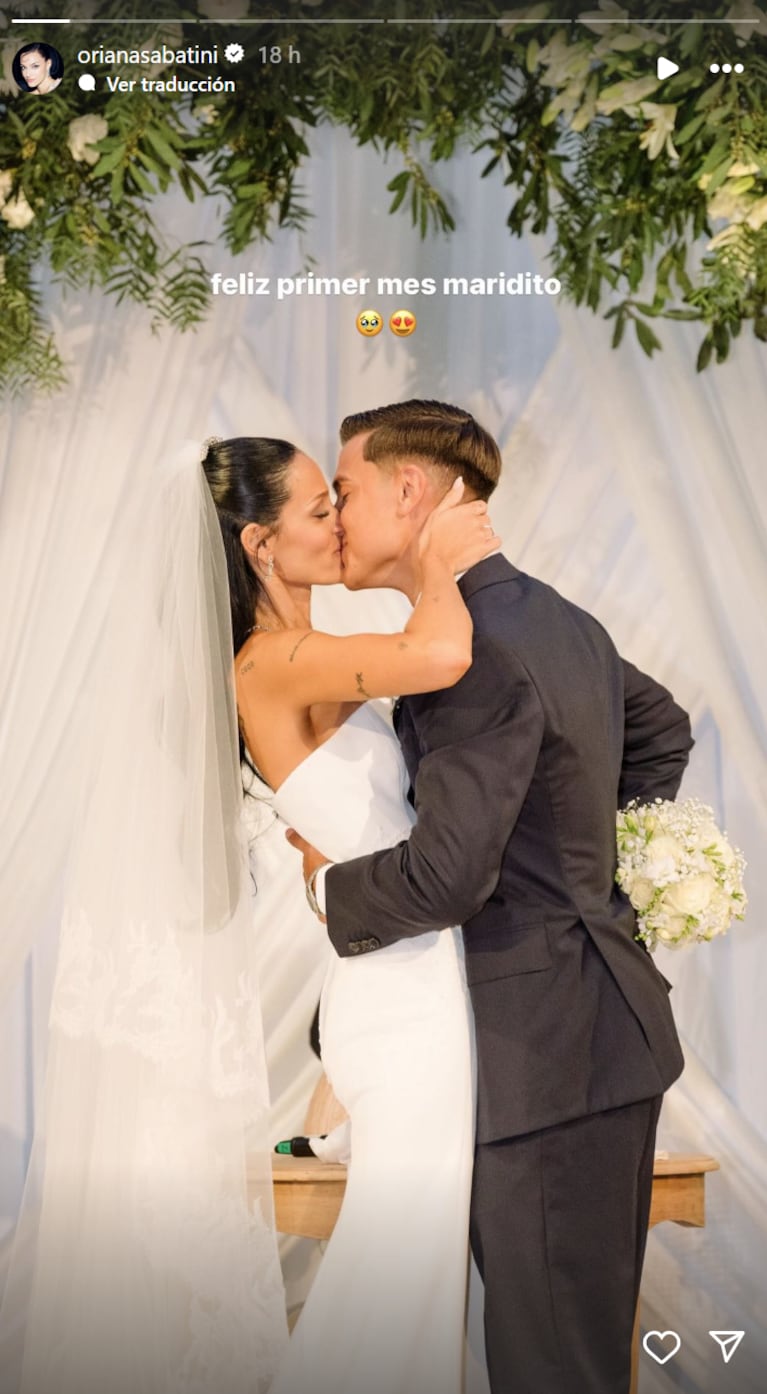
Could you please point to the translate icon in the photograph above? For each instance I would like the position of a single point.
(728, 1342)
(655, 1343)
(665, 68)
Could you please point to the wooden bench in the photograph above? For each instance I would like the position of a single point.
(308, 1193)
(679, 1195)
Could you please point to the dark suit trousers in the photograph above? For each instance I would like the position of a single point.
(558, 1230)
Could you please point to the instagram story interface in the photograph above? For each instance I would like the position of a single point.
(230, 220)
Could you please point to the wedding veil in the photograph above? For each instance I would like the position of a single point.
(145, 1260)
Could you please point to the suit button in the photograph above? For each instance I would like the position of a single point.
(355, 946)
(374, 943)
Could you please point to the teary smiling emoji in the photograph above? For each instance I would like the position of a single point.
(369, 322)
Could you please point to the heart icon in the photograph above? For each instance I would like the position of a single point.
(658, 1338)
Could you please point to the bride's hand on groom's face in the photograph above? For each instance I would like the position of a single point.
(458, 534)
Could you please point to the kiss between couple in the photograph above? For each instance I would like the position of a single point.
(498, 1037)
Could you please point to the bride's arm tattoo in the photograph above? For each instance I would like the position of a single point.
(246, 667)
(360, 686)
(298, 645)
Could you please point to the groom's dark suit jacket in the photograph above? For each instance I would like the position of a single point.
(517, 774)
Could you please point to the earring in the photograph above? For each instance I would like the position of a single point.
(270, 566)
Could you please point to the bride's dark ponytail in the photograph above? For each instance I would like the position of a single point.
(248, 479)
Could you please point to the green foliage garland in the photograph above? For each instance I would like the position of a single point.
(653, 195)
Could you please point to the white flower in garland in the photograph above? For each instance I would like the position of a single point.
(565, 63)
(509, 23)
(747, 16)
(224, 9)
(681, 874)
(758, 215)
(17, 212)
(608, 9)
(6, 184)
(7, 80)
(626, 95)
(84, 131)
(662, 117)
(207, 114)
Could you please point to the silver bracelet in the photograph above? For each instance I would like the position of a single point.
(314, 904)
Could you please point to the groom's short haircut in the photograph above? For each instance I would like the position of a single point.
(446, 438)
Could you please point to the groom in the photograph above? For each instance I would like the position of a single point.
(517, 773)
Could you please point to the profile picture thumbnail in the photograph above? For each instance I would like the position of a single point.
(38, 68)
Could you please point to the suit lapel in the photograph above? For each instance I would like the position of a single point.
(493, 571)
(406, 735)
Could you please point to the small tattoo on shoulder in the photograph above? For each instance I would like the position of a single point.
(246, 667)
(402, 644)
(300, 642)
(361, 686)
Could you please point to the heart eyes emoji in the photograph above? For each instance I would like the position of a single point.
(402, 323)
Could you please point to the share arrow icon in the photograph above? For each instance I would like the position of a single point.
(728, 1342)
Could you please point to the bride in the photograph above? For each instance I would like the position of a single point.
(385, 1314)
(145, 1260)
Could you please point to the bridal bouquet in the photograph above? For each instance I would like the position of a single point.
(681, 874)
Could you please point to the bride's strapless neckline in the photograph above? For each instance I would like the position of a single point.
(311, 754)
(323, 745)
(348, 796)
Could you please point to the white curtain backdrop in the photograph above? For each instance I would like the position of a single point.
(635, 487)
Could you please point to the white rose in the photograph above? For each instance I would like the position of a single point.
(674, 929)
(84, 131)
(663, 855)
(6, 184)
(17, 212)
(665, 846)
(641, 893)
(223, 9)
(691, 896)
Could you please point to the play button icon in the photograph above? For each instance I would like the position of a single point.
(665, 68)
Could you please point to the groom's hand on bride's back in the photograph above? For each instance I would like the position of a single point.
(313, 860)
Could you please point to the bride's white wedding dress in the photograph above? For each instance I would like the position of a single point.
(386, 1312)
